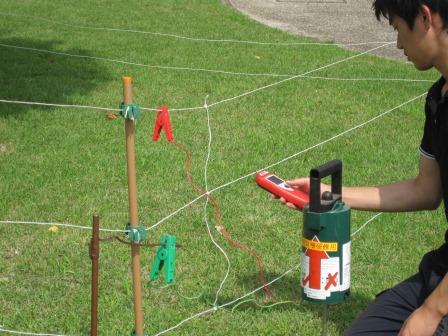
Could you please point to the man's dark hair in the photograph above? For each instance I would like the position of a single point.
(408, 10)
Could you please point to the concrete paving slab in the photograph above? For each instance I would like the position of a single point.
(340, 21)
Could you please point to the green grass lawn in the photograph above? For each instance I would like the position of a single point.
(62, 164)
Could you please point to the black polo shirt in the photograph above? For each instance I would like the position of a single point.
(435, 146)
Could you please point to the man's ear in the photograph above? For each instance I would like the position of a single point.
(427, 16)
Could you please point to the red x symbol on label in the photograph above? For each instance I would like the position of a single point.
(331, 280)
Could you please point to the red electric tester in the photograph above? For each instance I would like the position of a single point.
(280, 188)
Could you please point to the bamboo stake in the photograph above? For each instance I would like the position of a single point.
(133, 209)
(94, 255)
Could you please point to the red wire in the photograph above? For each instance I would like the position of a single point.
(218, 218)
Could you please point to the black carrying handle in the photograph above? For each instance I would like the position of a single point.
(333, 168)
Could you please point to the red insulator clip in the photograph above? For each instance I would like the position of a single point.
(163, 121)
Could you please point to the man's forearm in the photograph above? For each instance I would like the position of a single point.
(423, 192)
(362, 198)
(437, 302)
(405, 195)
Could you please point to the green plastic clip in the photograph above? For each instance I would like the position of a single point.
(136, 233)
(130, 111)
(166, 256)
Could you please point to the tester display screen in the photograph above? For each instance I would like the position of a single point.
(275, 179)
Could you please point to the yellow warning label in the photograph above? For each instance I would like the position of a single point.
(319, 246)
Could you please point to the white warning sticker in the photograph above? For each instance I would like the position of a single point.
(320, 277)
(346, 261)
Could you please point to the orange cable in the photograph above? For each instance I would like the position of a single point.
(218, 218)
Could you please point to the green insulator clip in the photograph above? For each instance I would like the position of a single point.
(136, 234)
(130, 111)
(165, 258)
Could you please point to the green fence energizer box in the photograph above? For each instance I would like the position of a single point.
(325, 274)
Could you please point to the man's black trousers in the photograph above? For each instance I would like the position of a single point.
(386, 315)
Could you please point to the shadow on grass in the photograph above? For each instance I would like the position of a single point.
(288, 297)
(36, 76)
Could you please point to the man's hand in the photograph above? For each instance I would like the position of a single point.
(302, 184)
(422, 322)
